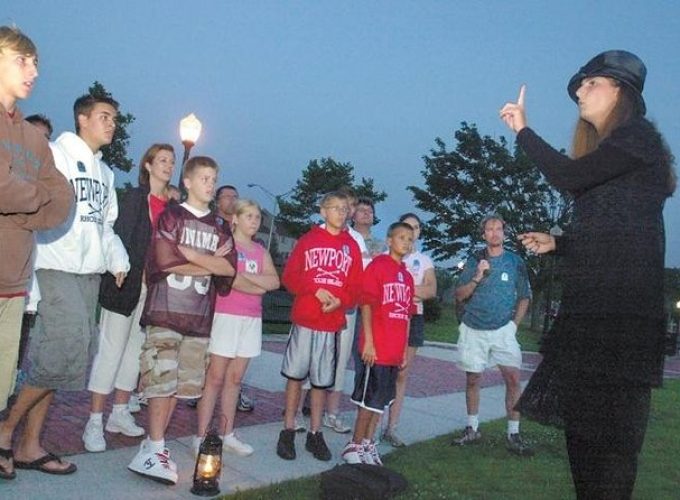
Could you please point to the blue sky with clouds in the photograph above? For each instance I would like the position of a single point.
(277, 83)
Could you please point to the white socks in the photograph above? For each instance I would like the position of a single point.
(473, 421)
(156, 446)
(96, 417)
(119, 408)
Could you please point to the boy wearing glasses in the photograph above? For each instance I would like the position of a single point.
(324, 273)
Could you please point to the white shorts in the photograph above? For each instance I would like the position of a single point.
(235, 336)
(480, 349)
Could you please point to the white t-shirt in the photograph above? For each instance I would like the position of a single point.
(356, 235)
(417, 263)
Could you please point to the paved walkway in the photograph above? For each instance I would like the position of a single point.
(435, 405)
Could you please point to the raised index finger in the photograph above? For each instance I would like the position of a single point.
(520, 99)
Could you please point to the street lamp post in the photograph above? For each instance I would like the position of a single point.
(189, 131)
(277, 199)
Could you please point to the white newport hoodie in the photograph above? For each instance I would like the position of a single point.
(85, 243)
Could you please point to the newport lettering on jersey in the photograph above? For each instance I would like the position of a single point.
(398, 294)
(331, 264)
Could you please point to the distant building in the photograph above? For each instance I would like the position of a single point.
(283, 243)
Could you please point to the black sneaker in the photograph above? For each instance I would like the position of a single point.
(285, 448)
(317, 446)
(468, 437)
(515, 444)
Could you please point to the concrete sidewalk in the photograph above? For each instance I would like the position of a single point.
(435, 405)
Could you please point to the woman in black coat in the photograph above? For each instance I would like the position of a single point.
(606, 348)
(116, 364)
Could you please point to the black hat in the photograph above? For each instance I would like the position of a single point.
(620, 65)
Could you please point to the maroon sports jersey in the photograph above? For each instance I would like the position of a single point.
(184, 304)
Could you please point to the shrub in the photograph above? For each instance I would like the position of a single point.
(432, 309)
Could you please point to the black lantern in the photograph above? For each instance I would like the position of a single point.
(208, 468)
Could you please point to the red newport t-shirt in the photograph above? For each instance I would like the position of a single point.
(388, 288)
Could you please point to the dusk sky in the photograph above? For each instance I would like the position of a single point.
(279, 83)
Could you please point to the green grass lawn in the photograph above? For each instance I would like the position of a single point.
(445, 329)
(435, 469)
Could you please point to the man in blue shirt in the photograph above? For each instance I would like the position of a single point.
(495, 289)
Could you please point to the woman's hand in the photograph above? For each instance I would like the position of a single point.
(513, 113)
(537, 242)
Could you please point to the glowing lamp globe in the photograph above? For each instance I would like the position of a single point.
(190, 129)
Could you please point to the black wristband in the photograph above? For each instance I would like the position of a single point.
(475, 281)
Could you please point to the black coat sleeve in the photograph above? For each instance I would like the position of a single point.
(128, 214)
(605, 163)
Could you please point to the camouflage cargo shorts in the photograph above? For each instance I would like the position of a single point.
(173, 364)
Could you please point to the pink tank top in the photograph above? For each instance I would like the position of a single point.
(238, 303)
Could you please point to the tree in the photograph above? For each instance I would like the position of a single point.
(671, 290)
(122, 192)
(115, 154)
(481, 175)
(320, 176)
(446, 279)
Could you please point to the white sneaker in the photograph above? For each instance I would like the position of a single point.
(335, 423)
(371, 454)
(234, 445)
(93, 436)
(133, 403)
(353, 453)
(366, 456)
(156, 466)
(124, 423)
(145, 446)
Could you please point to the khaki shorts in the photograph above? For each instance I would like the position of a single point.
(11, 311)
(480, 349)
(173, 364)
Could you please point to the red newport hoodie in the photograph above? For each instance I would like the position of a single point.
(388, 288)
(323, 260)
